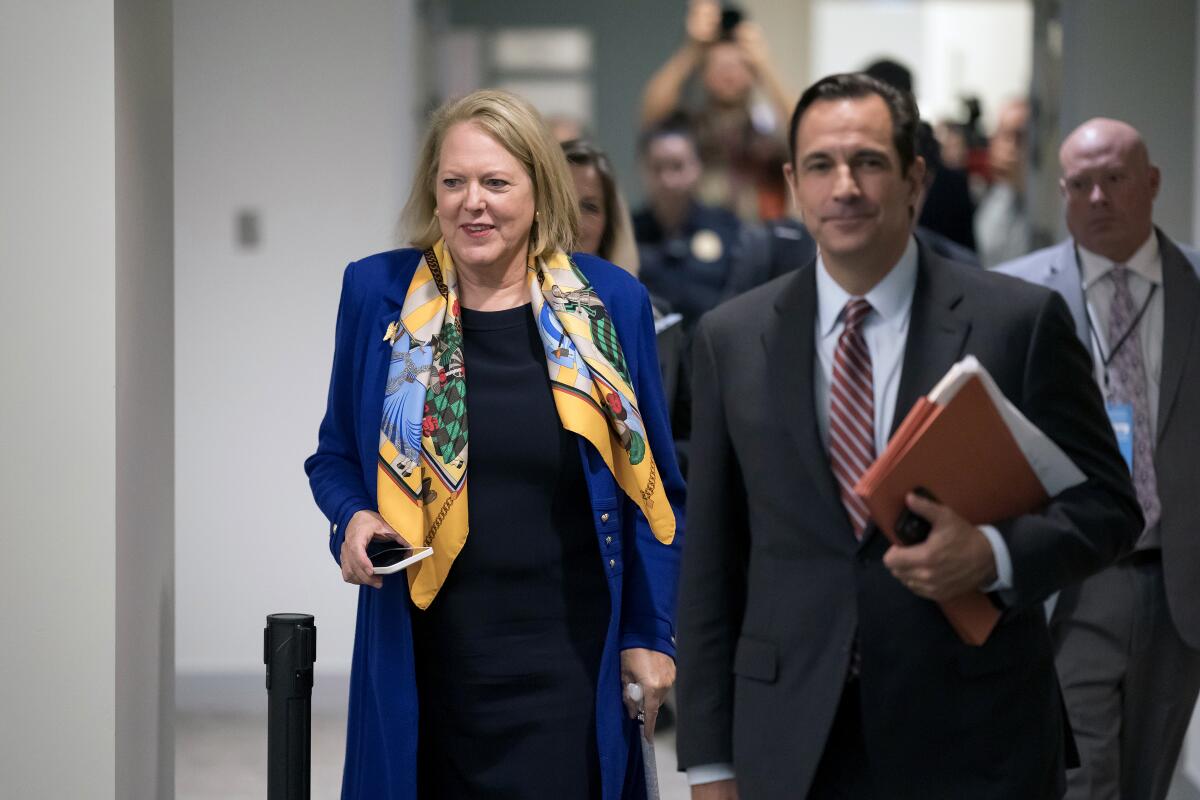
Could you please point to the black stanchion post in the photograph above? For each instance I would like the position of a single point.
(289, 650)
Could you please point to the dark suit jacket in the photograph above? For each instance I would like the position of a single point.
(774, 248)
(767, 251)
(945, 247)
(775, 587)
(1178, 434)
(949, 209)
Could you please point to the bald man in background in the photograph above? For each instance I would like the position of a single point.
(1127, 640)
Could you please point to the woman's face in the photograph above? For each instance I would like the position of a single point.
(484, 200)
(592, 217)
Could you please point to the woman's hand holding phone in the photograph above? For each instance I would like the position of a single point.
(365, 527)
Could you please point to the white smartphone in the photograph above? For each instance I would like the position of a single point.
(389, 557)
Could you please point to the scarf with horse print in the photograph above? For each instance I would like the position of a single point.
(422, 473)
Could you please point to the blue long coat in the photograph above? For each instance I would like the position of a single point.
(381, 740)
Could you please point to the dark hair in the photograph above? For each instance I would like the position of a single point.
(678, 123)
(890, 72)
(853, 85)
(582, 153)
(928, 148)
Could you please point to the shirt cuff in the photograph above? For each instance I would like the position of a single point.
(709, 773)
(1004, 570)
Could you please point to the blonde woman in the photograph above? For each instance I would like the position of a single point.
(552, 585)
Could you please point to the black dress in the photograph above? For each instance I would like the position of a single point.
(508, 653)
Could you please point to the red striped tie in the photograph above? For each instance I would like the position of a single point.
(852, 412)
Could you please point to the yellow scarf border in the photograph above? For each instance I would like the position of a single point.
(425, 489)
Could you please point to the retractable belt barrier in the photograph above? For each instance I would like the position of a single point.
(289, 650)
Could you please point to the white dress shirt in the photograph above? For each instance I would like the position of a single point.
(1145, 272)
(885, 331)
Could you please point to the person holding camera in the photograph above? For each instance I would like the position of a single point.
(741, 142)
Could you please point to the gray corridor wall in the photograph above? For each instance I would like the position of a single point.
(145, 457)
(1137, 61)
(86, 322)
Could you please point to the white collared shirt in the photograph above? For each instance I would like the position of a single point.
(1145, 272)
(885, 330)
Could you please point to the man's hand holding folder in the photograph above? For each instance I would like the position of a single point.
(955, 559)
(984, 462)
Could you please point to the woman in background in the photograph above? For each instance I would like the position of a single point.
(605, 226)
(497, 668)
(606, 230)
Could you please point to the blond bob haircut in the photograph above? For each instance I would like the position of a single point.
(520, 130)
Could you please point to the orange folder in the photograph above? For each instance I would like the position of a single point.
(964, 453)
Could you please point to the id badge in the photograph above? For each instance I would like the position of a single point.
(1121, 417)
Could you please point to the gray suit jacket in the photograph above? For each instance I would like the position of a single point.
(1177, 449)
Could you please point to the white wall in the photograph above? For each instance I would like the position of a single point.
(57, 339)
(1107, 71)
(954, 47)
(145, 509)
(785, 27)
(85, 321)
(302, 111)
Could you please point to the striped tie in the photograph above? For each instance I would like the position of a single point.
(852, 412)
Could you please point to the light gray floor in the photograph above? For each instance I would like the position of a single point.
(223, 756)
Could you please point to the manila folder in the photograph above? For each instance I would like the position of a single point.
(964, 453)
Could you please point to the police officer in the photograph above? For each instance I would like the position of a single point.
(686, 248)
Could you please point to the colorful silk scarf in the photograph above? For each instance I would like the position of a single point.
(422, 475)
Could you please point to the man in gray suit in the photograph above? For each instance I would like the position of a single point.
(1127, 640)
